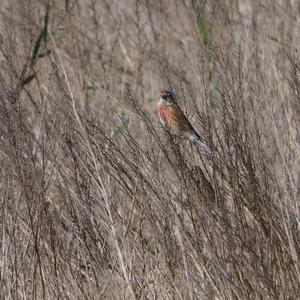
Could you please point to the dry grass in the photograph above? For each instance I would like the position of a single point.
(97, 201)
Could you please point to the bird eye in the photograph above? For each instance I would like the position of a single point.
(170, 98)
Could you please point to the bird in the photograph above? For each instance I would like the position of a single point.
(173, 118)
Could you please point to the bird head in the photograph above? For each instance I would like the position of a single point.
(167, 97)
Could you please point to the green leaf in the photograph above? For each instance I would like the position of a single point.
(213, 93)
(42, 36)
(27, 79)
(36, 49)
(202, 30)
(46, 22)
(123, 126)
(67, 5)
(43, 54)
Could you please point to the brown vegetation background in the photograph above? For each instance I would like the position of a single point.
(98, 201)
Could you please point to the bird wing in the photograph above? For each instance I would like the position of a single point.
(178, 121)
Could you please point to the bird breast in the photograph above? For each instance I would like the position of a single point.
(163, 113)
(172, 118)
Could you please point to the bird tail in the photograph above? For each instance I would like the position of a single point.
(196, 139)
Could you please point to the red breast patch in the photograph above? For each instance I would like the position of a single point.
(163, 112)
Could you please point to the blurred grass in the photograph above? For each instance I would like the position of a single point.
(147, 216)
(36, 52)
(206, 39)
(123, 126)
(203, 30)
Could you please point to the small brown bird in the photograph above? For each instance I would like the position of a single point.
(172, 117)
